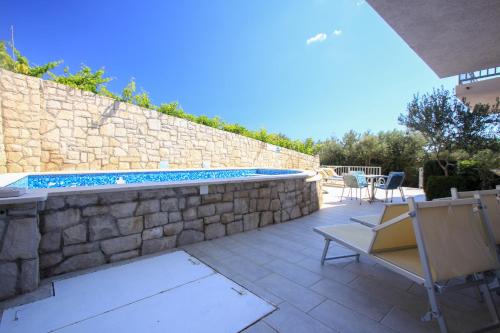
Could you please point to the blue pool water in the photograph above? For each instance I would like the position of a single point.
(96, 179)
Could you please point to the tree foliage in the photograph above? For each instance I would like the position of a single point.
(84, 79)
(392, 150)
(448, 124)
(20, 64)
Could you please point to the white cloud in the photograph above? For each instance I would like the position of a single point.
(337, 32)
(359, 3)
(318, 38)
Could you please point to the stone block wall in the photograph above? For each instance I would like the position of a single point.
(19, 242)
(87, 230)
(45, 126)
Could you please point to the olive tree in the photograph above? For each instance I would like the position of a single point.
(449, 124)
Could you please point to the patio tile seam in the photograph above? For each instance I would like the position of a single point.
(304, 313)
(355, 309)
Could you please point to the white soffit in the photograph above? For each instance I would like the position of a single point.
(484, 92)
(451, 36)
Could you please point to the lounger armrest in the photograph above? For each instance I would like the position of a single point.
(396, 204)
(393, 221)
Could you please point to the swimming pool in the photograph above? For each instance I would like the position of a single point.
(45, 181)
(90, 218)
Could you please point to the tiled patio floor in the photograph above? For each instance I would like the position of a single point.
(281, 264)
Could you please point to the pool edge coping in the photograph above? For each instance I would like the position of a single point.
(37, 195)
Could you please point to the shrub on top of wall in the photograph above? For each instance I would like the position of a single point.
(469, 171)
(476, 175)
(95, 82)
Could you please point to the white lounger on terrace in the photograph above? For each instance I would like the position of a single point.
(436, 242)
(490, 200)
(391, 210)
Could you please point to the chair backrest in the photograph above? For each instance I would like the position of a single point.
(394, 180)
(394, 234)
(452, 239)
(350, 181)
(360, 176)
(490, 199)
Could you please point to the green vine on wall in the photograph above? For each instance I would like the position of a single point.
(86, 79)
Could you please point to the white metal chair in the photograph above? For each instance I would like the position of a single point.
(353, 182)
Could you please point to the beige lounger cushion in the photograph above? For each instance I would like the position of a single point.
(394, 236)
(394, 210)
(490, 200)
(493, 212)
(466, 250)
(408, 259)
(354, 235)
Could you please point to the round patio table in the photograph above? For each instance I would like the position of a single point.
(371, 179)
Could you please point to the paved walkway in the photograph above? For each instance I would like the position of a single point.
(280, 263)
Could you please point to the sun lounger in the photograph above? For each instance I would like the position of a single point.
(441, 240)
(390, 212)
(490, 200)
(330, 176)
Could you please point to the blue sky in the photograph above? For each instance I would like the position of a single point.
(248, 62)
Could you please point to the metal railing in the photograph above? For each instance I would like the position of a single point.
(341, 169)
(478, 75)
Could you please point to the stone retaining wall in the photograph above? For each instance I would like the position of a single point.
(19, 242)
(45, 126)
(82, 231)
(69, 232)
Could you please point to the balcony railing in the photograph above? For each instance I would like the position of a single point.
(478, 75)
(341, 169)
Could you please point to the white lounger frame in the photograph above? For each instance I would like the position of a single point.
(431, 287)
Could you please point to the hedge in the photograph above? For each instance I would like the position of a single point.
(432, 168)
(439, 186)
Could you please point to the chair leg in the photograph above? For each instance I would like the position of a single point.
(490, 303)
(385, 196)
(402, 193)
(342, 195)
(392, 195)
(435, 311)
(325, 251)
